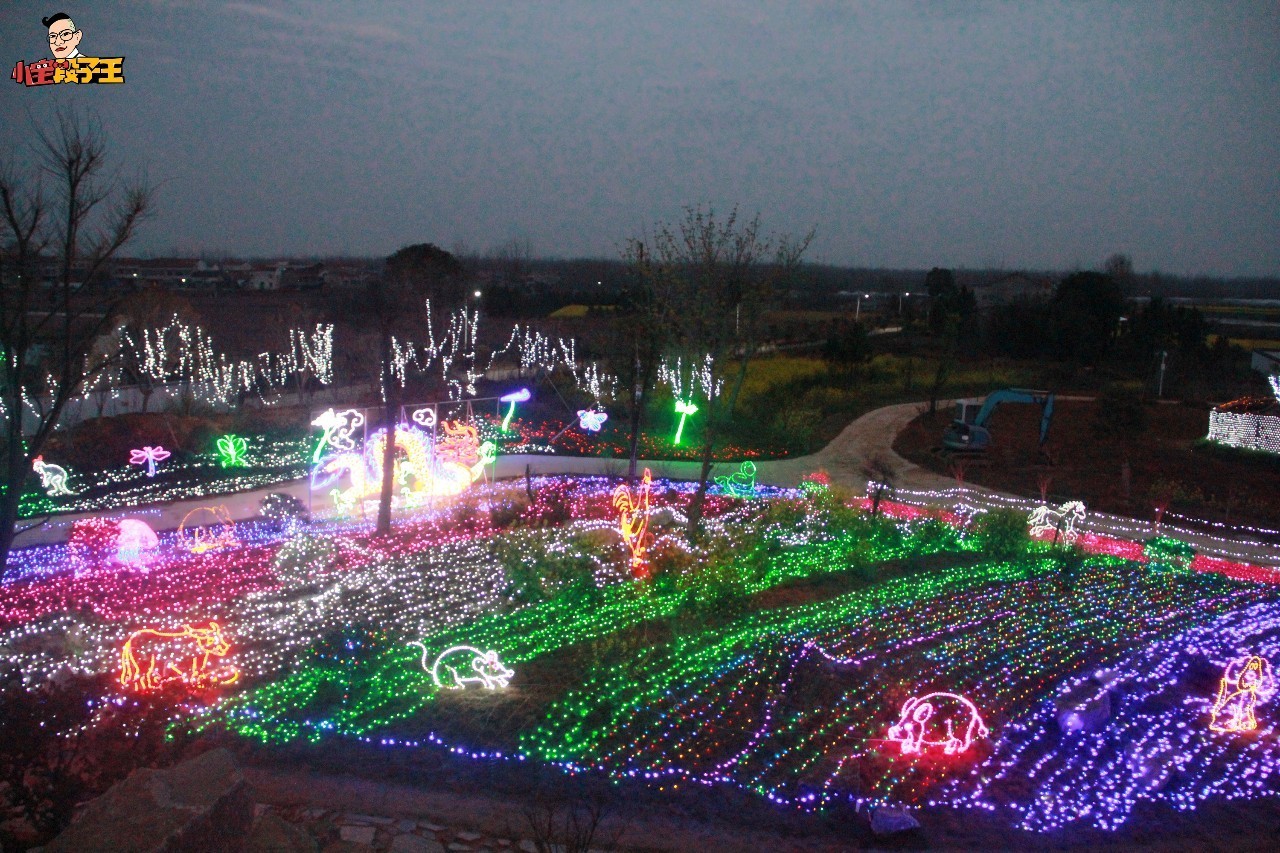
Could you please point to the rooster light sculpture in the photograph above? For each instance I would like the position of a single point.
(633, 522)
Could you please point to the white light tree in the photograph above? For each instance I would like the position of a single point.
(711, 280)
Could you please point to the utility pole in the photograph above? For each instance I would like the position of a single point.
(1160, 385)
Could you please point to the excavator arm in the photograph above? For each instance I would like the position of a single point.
(975, 435)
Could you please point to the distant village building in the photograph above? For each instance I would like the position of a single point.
(343, 276)
(302, 277)
(157, 272)
(264, 276)
(1015, 287)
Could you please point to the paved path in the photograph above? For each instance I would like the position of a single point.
(869, 437)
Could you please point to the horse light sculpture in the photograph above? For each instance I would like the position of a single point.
(1062, 521)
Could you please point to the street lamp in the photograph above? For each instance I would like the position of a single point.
(858, 311)
(900, 296)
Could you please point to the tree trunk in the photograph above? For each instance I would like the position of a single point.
(637, 415)
(708, 448)
(9, 517)
(389, 451)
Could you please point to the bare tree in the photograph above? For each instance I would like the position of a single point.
(882, 476)
(1120, 268)
(413, 276)
(77, 213)
(638, 345)
(147, 317)
(711, 280)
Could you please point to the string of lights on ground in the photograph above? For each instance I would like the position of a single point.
(1157, 746)
(496, 625)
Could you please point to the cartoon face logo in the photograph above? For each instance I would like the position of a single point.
(64, 38)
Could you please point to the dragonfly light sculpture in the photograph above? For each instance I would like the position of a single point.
(148, 456)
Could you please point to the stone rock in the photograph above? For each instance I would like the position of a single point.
(358, 834)
(406, 825)
(345, 847)
(888, 820)
(434, 827)
(528, 846)
(458, 846)
(1085, 709)
(362, 819)
(200, 805)
(468, 836)
(415, 844)
(272, 834)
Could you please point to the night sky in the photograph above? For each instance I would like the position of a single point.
(910, 134)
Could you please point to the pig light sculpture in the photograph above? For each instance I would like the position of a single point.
(938, 719)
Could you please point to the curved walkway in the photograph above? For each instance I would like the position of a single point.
(868, 437)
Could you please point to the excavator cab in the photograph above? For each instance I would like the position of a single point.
(966, 436)
(969, 429)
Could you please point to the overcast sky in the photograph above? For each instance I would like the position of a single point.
(910, 134)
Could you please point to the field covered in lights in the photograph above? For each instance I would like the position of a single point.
(780, 655)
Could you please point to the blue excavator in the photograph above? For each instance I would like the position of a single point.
(969, 430)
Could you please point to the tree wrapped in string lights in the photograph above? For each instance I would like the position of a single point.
(710, 280)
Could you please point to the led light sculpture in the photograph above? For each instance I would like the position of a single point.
(633, 521)
(207, 528)
(1063, 520)
(938, 719)
(514, 397)
(337, 427)
(591, 419)
(231, 449)
(741, 483)
(152, 658)
(1244, 684)
(148, 456)
(459, 444)
(53, 478)
(684, 409)
(134, 540)
(458, 666)
(425, 417)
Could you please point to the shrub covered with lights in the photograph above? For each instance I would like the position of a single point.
(1166, 554)
(799, 648)
(1001, 533)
